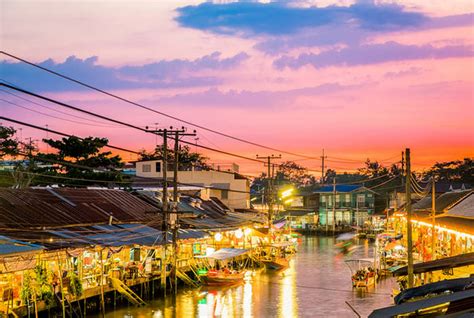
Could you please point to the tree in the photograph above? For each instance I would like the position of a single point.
(78, 159)
(291, 172)
(453, 171)
(373, 169)
(185, 156)
(8, 145)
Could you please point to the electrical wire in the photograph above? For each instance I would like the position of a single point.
(59, 111)
(148, 108)
(52, 116)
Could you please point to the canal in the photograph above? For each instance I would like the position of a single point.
(317, 284)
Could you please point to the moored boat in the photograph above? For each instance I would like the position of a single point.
(223, 278)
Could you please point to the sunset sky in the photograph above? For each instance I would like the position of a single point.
(361, 79)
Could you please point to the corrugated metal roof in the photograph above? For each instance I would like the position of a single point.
(22, 208)
(442, 202)
(465, 208)
(11, 246)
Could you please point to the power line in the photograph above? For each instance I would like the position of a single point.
(58, 111)
(61, 133)
(120, 122)
(49, 115)
(148, 108)
(164, 114)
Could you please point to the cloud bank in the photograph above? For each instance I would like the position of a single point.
(161, 74)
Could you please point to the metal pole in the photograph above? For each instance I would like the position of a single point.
(409, 226)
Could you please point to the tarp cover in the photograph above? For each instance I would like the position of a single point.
(227, 253)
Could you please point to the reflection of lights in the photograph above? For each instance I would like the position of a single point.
(247, 299)
(288, 201)
(247, 231)
(218, 237)
(156, 314)
(288, 294)
(398, 248)
(239, 233)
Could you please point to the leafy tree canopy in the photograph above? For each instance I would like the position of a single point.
(77, 158)
(291, 172)
(185, 156)
(453, 171)
(8, 145)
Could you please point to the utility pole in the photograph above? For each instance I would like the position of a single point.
(322, 167)
(175, 220)
(165, 210)
(409, 226)
(433, 216)
(269, 187)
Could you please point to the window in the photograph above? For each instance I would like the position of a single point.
(348, 198)
(146, 168)
(224, 194)
(323, 198)
(338, 198)
(361, 198)
(158, 167)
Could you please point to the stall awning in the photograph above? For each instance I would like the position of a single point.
(439, 264)
(227, 253)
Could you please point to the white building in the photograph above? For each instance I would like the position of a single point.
(230, 187)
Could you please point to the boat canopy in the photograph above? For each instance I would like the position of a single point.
(227, 253)
(439, 264)
(412, 307)
(452, 285)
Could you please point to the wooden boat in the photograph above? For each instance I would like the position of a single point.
(223, 278)
(276, 263)
(363, 272)
(277, 255)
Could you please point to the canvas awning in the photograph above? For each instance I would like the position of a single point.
(227, 253)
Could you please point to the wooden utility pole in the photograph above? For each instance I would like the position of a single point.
(170, 219)
(270, 193)
(409, 225)
(165, 209)
(175, 220)
(433, 216)
(322, 167)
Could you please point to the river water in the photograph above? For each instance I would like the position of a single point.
(317, 284)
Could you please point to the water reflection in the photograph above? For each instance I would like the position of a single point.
(317, 284)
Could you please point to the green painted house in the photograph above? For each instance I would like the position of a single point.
(352, 204)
